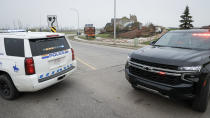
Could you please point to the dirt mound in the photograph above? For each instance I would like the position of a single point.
(144, 32)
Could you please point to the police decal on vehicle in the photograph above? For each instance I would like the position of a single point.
(54, 54)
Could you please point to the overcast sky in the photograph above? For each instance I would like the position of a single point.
(99, 12)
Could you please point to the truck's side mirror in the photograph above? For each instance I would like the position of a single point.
(153, 42)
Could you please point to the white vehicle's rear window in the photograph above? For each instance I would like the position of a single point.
(48, 45)
(14, 47)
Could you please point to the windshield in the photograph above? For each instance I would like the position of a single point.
(185, 40)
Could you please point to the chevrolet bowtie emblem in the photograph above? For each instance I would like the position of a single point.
(147, 68)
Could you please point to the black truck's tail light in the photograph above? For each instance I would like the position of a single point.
(73, 56)
(29, 66)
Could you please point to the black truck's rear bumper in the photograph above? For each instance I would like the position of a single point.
(180, 91)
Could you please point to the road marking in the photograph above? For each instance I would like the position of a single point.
(88, 65)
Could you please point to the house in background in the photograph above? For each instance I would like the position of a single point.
(206, 27)
(124, 24)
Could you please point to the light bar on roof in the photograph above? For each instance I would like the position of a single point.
(17, 30)
(10, 31)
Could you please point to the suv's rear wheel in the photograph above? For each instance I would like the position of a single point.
(7, 88)
(200, 103)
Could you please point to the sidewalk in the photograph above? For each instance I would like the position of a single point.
(122, 43)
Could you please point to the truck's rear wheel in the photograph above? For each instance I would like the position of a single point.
(200, 102)
(7, 88)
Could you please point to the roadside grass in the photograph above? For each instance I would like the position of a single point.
(105, 35)
(82, 37)
(172, 29)
(71, 37)
(148, 42)
(68, 32)
(85, 38)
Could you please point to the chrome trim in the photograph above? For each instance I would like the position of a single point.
(157, 70)
(183, 75)
(153, 91)
(161, 69)
(154, 71)
(183, 78)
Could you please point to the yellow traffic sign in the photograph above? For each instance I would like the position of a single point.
(53, 29)
(52, 22)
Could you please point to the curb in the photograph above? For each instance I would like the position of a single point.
(111, 44)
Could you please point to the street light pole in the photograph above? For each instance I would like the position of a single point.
(114, 20)
(73, 9)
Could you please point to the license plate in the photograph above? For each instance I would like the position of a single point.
(57, 61)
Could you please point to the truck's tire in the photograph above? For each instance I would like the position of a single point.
(200, 102)
(7, 89)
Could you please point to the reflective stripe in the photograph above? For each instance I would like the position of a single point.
(55, 72)
(56, 75)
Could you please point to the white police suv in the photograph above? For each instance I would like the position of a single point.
(31, 61)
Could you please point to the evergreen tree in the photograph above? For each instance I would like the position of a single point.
(186, 20)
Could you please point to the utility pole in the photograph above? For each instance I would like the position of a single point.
(40, 29)
(73, 9)
(114, 21)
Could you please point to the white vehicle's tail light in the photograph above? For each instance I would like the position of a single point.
(29, 66)
(73, 56)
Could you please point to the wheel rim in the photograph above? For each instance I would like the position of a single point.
(4, 88)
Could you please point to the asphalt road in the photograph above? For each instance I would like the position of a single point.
(98, 89)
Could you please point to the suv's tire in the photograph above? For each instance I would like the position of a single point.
(7, 89)
(200, 102)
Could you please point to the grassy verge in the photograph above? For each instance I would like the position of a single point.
(68, 32)
(84, 37)
(71, 37)
(148, 42)
(104, 35)
(172, 29)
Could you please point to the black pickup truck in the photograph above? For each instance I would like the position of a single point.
(177, 65)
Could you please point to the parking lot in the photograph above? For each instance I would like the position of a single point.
(98, 89)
